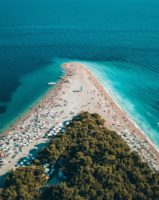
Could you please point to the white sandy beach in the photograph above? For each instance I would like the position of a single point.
(78, 91)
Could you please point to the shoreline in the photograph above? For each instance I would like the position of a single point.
(4, 169)
(63, 102)
(123, 110)
(129, 115)
(140, 132)
(28, 111)
(23, 114)
(59, 72)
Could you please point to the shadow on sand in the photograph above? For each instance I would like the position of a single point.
(25, 161)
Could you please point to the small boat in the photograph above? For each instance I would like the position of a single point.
(51, 83)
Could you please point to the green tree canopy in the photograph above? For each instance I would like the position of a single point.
(95, 163)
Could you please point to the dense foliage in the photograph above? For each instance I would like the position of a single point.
(24, 183)
(95, 163)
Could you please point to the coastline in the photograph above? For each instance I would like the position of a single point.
(131, 116)
(4, 169)
(28, 111)
(23, 115)
(34, 87)
(66, 100)
(123, 110)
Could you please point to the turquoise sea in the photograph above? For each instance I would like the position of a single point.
(117, 39)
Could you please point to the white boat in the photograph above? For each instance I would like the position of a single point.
(51, 83)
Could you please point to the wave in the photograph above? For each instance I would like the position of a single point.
(126, 104)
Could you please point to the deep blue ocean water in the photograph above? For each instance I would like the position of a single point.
(117, 39)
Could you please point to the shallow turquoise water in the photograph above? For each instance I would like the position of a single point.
(127, 86)
(118, 39)
(33, 87)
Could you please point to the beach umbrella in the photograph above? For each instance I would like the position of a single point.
(46, 170)
(60, 124)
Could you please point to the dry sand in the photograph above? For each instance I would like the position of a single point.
(80, 91)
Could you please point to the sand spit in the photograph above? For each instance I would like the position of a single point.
(78, 91)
